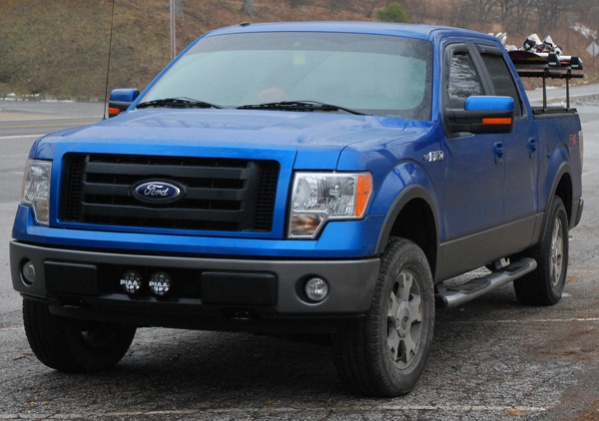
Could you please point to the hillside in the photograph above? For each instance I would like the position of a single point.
(59, 48)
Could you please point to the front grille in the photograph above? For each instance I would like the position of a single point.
(218, 194)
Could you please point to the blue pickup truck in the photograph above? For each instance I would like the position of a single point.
(300, 178)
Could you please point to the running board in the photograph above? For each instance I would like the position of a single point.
(451, 296)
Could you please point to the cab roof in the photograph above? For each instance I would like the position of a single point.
(419, 31)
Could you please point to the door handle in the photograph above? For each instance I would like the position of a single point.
(532, 147)
(498, 151)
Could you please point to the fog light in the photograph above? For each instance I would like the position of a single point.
(28, 273)
(131, 282)
(160, 283)
(316, 289)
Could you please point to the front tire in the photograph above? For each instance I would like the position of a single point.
(545, 285)
(72, 345)
(384, 354)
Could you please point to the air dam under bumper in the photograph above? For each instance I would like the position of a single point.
(82, 283)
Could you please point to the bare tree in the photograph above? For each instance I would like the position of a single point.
(504, 10)
(248, 8)
(584, 12)
(369, 6)
(461, 14)
(417, 9)
(549, 13)
(482, 9)
(296, 3)
(519, 17)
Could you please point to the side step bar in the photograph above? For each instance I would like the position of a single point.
(450, 296)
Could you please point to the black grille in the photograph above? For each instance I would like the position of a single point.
(218, 194)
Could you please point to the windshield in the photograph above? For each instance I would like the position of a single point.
(373, 74)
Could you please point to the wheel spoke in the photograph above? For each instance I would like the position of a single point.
(393, 342)
(415, 308)
(408, 346)
(404, 318)
(557, 247)
(406, 286)
(411, 336)
(393, 336)
(393, 311)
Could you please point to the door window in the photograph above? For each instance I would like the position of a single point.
(463, 79)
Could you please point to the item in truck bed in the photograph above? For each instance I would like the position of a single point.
(535, 52)
(521, 57)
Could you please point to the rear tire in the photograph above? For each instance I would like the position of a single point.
(544, 286)
(72, 345)
(384, 354)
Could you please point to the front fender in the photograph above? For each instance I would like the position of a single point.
(403, 184)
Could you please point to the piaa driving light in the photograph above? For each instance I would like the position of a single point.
(160, 283)
(131, 282)
(36, 189)
(319, 197)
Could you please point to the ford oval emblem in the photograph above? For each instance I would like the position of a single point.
(157, 191)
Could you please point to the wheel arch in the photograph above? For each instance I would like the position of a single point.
(412, 216)
(563, 188)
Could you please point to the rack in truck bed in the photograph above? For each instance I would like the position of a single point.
(547, 66)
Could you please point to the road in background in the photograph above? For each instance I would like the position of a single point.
(492, 358)
(21, 123)
(579, 95)
(20, 118)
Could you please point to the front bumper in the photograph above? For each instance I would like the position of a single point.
(207, 292)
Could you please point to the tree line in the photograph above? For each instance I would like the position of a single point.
(516, 16)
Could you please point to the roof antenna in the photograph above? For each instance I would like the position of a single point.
(108, 66)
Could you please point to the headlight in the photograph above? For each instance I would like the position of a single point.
(36, 189)
(319, 197)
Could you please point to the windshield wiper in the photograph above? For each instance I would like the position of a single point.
(299, 106)
(180, 102)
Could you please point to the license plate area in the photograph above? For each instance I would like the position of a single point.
(239, 289)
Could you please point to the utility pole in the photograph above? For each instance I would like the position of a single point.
(593, 50)
(173, 29)
(248, 8)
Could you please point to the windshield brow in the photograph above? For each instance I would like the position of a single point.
(373, 74)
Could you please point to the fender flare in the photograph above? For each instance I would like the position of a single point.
(563, 170)
(406, 195)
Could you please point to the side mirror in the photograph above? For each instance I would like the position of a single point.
(120, 100)
(482, 114)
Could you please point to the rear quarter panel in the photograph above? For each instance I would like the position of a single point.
(560, 155)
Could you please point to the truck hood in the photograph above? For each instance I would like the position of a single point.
(310, 136)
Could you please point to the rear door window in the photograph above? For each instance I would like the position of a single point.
(501, 79)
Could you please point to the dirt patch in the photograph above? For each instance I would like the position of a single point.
(576, 341)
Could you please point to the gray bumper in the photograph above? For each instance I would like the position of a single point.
(71, 278)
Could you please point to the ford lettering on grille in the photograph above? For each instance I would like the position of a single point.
(157, 192)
